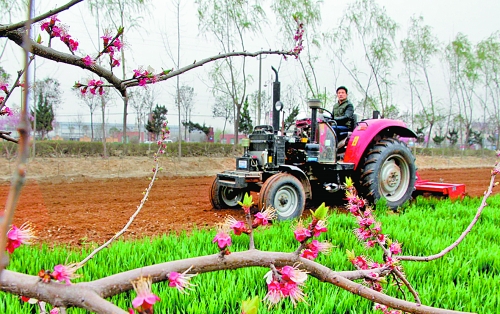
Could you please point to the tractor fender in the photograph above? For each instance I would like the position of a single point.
(299, 174)
(367, 131)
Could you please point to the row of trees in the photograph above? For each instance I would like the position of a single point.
(365, 47)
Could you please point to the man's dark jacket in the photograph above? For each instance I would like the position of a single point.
(343, 113)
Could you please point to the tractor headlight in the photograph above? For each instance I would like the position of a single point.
(242, 164)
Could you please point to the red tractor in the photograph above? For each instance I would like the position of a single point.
(314, 161)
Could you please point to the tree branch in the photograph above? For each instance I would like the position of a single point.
(78, 294)
(494, 172)
(39, 18)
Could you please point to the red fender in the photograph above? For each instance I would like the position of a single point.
(367, 130)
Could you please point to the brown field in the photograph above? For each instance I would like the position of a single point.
(76, 201)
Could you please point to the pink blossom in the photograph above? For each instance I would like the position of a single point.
(88, 61)
(56, 31)
(319, 227)
(395, 248)
(366, 222)
(72, 44)
(274, 294)
(309, 254)
(17, 236)
(287, 285)
(145, 298)
(118, 44)
(360, 262)
(294, 274)
(5, 110)
(262, 218)
(65, 273)
(363, 234)
(137, 73)
(371, 243)
(222, 238)
(45, 26)
(115, 62)
(3, 87)
(180, 281)
(323, 247)
(293, 291)
(238, 226)
(106, 38)
(301, 233)
(142, 81)
(54, 311)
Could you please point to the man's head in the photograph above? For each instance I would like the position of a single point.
(341, 93)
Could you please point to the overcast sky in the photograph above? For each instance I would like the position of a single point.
(476, 19)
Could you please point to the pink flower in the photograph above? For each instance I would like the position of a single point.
(222, 238)
(65, 273)
(72, 44)
(395, 248)
(45, 26)
(319, 228)
(360, 262)
(238, 226)
(54, 311)
(56, 32)
(180, 281)
(294, 274)
(17, 236)
(309, 254)
(262, 218)
(142, 81)
(301, 233)
(274, 294)
(88, 60)
(115, 62)
(323, 247)
(293, 291)
(106, 38)
(3, 87)
(287, 285)
(118, 44)
(363, 234)
(145, 298)
(5, 110)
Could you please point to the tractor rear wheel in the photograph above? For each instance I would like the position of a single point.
(225, 197)
(285, 193)
(389, 172)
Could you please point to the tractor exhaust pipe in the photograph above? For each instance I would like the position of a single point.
(276, 99)
(314, 104)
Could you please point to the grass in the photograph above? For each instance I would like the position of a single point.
(466, 279)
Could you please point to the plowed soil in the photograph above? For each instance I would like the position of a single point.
(77, 202)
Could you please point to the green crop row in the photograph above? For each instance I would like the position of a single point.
(466, 279)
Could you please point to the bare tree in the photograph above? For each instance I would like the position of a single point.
(184, 101)
(463, 67)
(419, 48)
(142, 101)
(369, 24)
(91, 102)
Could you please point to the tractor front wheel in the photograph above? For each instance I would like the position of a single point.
(225, 197)
(389, 172)
(285, 193)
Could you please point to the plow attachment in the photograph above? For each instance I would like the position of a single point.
(451, 190)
